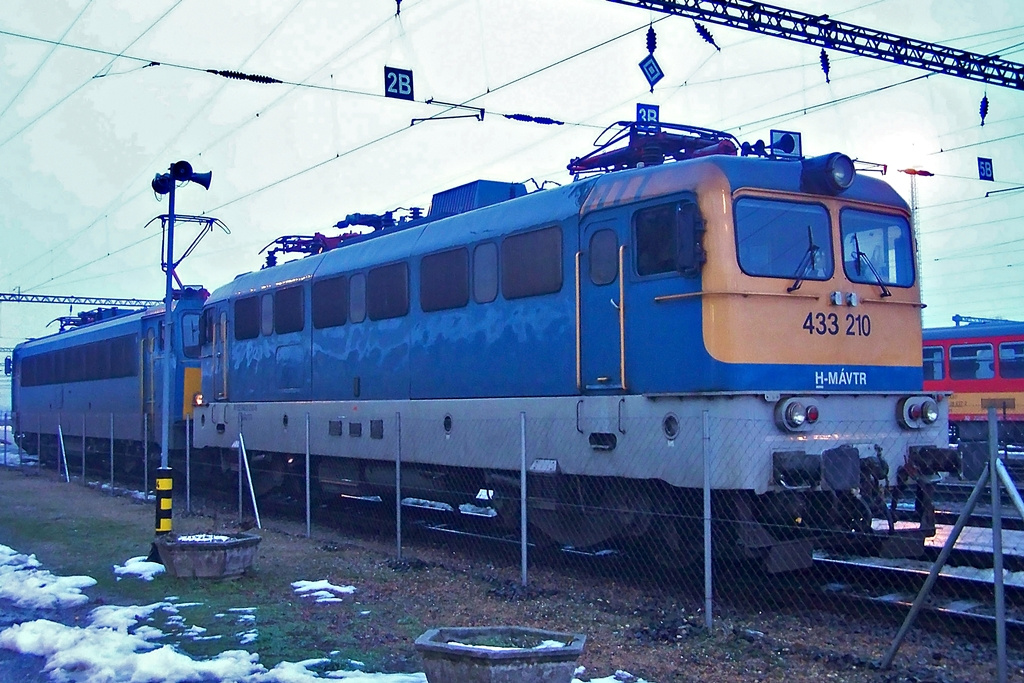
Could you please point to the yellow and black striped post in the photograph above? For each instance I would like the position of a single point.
(164, 485)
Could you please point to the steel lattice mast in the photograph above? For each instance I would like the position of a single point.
(819, 29)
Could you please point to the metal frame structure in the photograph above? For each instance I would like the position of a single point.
(18, 297)
(828, 33)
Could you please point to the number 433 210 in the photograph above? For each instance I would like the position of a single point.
(834, 324)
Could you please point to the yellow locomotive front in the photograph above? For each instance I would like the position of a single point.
(786, 328)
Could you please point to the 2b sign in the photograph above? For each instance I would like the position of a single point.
(985, 169)
(398, 83)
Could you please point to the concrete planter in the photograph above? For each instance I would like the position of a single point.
(208, 556)
(499, 654)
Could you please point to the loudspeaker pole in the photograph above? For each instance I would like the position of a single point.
(165, 183)
(165, 417)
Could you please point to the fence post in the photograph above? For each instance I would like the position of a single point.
(239, 444)
(145, 455)
(309, 512)
(63, 454)
(188, 464)
(398, 486)
(947, 548)
(522, 497)
(706, 456)
(84, 415)
(111, 454)
(997, 544)
(248, 477)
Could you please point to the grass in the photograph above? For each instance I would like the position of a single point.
(78, 531)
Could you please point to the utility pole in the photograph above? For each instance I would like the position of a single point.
(915, 227)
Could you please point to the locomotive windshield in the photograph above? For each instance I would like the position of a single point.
(190, 335)
(783, 239)
(876, 244)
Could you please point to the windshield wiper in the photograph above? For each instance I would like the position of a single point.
(859, 255)
(806, 263)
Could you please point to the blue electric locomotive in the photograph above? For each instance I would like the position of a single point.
(759, 315)
(101, 376)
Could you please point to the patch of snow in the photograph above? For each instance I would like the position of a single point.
(24, 583)
(138, 566)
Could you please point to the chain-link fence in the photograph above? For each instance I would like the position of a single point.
(729, 513)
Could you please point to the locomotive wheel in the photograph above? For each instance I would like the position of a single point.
(609, 514)
(854, 513)
(676, 543)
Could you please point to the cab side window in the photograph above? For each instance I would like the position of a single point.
(932, 363)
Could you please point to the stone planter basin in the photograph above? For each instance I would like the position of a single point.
(499, 654)
(208, 556)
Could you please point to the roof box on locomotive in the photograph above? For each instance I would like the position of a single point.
(102, 374)
(758, 314)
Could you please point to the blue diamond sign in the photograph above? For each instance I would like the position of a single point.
(652, 72)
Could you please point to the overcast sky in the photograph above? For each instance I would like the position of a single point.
(83, 131)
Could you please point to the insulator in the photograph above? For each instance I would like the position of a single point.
(652, 40)
(824, 63)
(983, 110)
(545, 120)
(704, 33)
(238, 75)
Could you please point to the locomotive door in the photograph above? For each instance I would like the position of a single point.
(148, 387)
(601, 361)
(220, 353)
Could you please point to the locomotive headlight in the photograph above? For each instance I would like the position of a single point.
(796, 415)
(828, 174)
(793, 415)
(915, 412)
(929, 412)
(197, 399)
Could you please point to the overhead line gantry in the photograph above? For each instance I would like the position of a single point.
(77, 300)
(821, 30)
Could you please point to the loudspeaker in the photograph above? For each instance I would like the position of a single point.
(202, 178)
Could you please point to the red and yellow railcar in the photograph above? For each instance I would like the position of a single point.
(982, 364)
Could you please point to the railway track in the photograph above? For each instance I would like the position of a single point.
(962, 599)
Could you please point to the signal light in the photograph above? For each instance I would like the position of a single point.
(812, 414)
